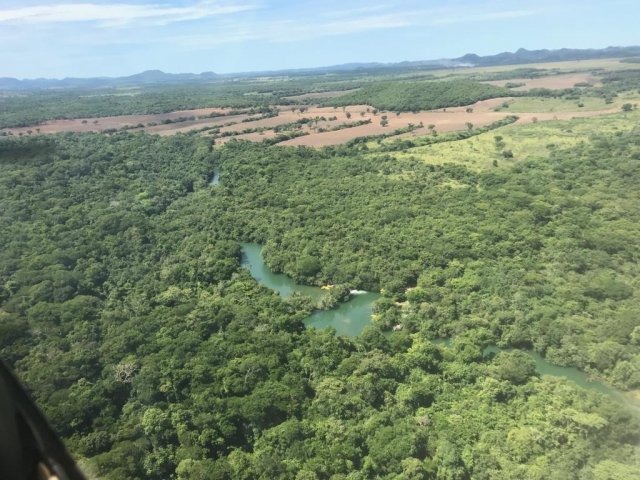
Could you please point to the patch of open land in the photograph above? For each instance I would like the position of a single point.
(569, 66)
(526, 140)
(189, 125)
(288, 115)
(100, 124)
(317, 126)
(554, 82)
(444, 120)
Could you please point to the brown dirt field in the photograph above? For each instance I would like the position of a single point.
(117, 122)
(315, 111)
(183, 127)
(552, 81)
(287, 116)
(453, 119)
(284, 116)
(445, 120)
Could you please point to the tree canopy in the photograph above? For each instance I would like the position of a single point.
(125, 310)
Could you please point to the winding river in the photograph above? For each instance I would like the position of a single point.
(350, 318)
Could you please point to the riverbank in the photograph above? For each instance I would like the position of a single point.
(351, 317)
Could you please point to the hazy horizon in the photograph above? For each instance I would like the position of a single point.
(93, 38)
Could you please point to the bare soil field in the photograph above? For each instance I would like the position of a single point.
(289, 115)
(187, 126)
(100, 124)
(445, 120)
(322, 121)
(552, 81)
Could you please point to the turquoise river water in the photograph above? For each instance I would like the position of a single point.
(350, 318)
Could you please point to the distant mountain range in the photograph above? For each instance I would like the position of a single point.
(157, 77)
(538, 56)
(146, 78)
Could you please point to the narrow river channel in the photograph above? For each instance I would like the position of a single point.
(350, 318)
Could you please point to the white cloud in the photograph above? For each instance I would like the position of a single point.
(354, 11)
(294, 30)
(286, 31)
(117, 14)
(482, 17)
(368, 23)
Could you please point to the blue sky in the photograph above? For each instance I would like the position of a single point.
(47, 38)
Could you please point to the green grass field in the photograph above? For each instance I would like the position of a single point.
(550, 105)
(610, 64)
(530, 141)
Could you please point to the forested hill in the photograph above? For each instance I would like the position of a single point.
(124, 309)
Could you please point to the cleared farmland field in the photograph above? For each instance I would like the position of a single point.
(553, 82)
(100, 124)
(335, 123)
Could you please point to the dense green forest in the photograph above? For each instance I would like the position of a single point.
(36, 107)
(419, 95)
(541, 255)
(125, 310)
